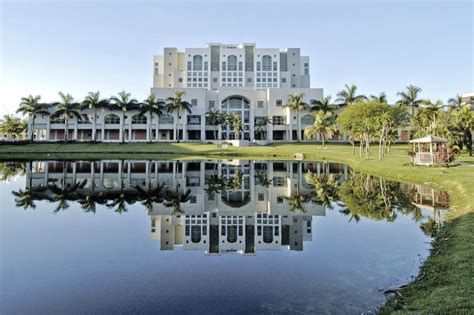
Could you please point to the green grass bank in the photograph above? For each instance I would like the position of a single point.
(446, 281)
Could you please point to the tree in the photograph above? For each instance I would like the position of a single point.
(214, 118)
(176, 104)
(68, 109)
(456, 103)
(296, 202)
(261, 127)
(433, 110)
(174, 199)
(348, 95)
(325, 187)
(150, 197)
(410, 97)
(324, 125)
(151, 106)
(237, 125)
(94, 102)
(295, 103)
(30, 106)
(382, 97)
(465, 120)
(124, 102)
(65, 192)
(11, 126)
(324, 105)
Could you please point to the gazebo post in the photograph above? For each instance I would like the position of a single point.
(431, 152)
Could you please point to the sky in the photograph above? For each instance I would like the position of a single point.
(108, 46)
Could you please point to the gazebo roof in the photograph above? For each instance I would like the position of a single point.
(429, 139)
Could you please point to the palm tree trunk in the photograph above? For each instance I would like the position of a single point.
(298, 134)
(149, 127)
(94, 124)
(176, 127)
(66, 128)
(32, 128)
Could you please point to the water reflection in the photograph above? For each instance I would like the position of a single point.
(227, 206)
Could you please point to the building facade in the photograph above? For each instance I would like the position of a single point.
(235, 79)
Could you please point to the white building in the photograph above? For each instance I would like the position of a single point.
(236, 79)
(242, 79)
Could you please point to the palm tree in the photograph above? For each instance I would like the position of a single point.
(295, 103)
(176, 104)
(174, 200)
(456, 103)
(433, 110)
(94, 102)
(68, 109)
(465, 120)
(26, 198)
(214, 118)
(65, 192)
(296, 202)
(348, 95)
(151, 106)
(237, 125)
(381, 98)
(261, 178)
(89, 203)
(262, 126)
(325, 187)
(150, 197)
(124, 102)
(324, 104)
(410, 97)
(324, 125)
(30, 106)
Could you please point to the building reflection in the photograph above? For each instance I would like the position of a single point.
(219, 207)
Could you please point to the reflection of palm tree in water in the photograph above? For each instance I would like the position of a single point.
(262, 178)
(150, 197)
(89, 202)
(325, 187)
(26, 198)
(174, 199)
(65, 192)
(432, 225)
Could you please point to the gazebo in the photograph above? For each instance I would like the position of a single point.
(425, 155)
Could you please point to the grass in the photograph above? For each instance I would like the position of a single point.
(446, 280)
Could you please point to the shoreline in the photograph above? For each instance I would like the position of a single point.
(445, 281)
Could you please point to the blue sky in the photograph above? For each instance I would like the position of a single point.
(108, 46)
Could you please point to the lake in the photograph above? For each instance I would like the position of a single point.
(230, 236)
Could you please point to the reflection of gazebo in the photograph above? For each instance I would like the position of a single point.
(423, 156)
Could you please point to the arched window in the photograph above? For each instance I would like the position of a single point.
(267, 63)
(232, 234)
(166, 119)
(307, 120)
(268, 234)
(231, 63)
(57, 120)
(112, 119)
(195, 233)
(138, 119)
(197, 63)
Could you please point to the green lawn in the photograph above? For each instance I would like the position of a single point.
(446, 281)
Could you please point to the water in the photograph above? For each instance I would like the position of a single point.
(202, 236)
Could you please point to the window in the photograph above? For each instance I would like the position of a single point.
(306, 68)
(279, 199)
(267, 63)
(249, 80)
(194, 120)
(260, 197)
(283, 80)
(111, 119)
(180, 80)
(240, 66)
(194, 102)
(260, 104)
(278, 120)
(206, 66)
(193, 199)
(138, 119)
(275, 66)
(259, 66)
(189, 66)
(279, 102)
(214, 80)
(212, 104)
(197, 63)
(166, 119)
(224, 66)
(307, 120)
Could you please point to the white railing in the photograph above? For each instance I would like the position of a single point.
(425, 158)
